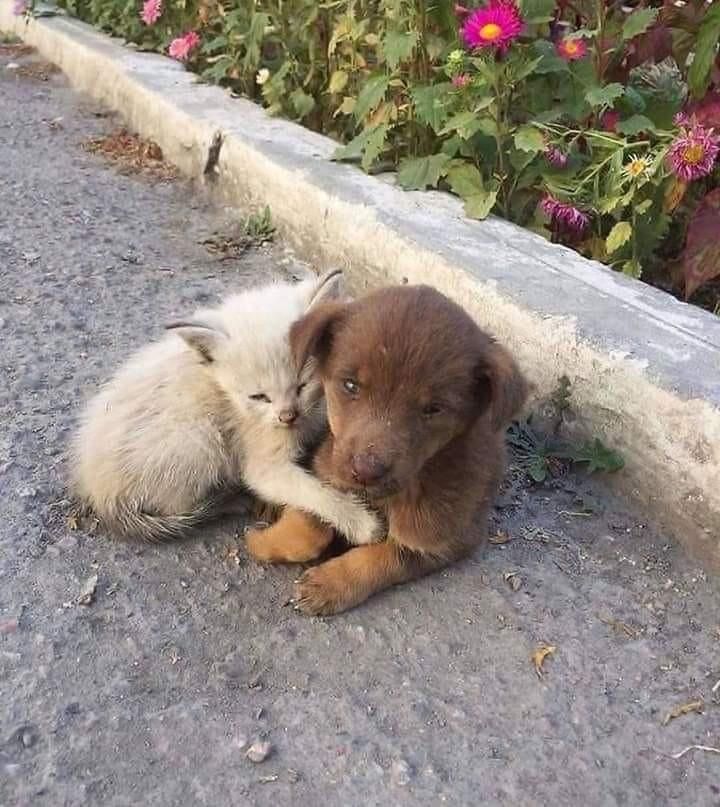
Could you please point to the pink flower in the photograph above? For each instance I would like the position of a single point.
(496, 25)
(610, 120)
(556, 157)
(181, 47)
(565, 217)
(151, 12)
(461, 81)
(572, 50)
(693, 153)
(20, 7)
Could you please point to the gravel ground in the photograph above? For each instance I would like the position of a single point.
(152, 692)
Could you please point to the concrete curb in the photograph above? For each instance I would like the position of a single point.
(645, 369)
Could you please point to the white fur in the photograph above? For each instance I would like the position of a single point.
(176, 425)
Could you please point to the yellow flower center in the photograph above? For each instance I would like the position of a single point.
(572, 47)
(694, 154)
(490, 31)
(636, 167)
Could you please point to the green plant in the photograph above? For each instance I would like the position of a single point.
(566, 124)
(259, 227)
(543, 456)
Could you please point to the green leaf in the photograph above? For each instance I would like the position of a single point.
(418, 173)
(529, 138)
(549, 62)
(638, 22)
(480, 205)
(526, 69)
(643, 207)
(429, 104)
(375, 146)
(370, 96)
(366, 146)
(398, 46)
(537, 11)
(538, 469)
(596, 454)
(302, 102)
(466, 124)
(632, 268)
(635, 124)
(604, 96)
(467, 181)
(705, 51)
(619, 235)
(219, 70)
(338, 81)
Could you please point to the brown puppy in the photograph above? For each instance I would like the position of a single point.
(418, 398)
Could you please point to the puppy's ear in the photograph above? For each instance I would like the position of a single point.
(327, 288)
(203, 337)
(502, 387)
(311, 337)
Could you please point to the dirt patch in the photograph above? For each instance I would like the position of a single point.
(132, 155)
(38, 71)
(15, 50)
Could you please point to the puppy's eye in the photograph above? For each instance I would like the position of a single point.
(431, 410)
(260, 396)
(351, 386)
(301, 387)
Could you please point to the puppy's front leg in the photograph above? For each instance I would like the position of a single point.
(296, 537)
(348, 580)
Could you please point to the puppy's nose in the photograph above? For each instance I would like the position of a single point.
(287, 416)
(367, 468)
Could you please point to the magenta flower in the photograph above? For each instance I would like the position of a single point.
(461, 81)
(20, 7)
(610, 120)
(565, 217)
(496, 25)
(556, 157)
(693, 153)
(151, 11)
(182, 47)
(572, 50)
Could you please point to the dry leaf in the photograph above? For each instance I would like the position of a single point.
(87, 593)
(685, 709)
(513, 579)
(500, 537)
(539, 656)
(620, 627)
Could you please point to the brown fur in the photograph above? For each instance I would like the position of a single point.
(434, 396)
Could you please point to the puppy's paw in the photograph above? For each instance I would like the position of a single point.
(259, 547)
(295, 538)
(320, 591)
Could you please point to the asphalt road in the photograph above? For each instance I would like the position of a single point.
(185, 655)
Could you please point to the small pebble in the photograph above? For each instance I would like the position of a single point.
(12, 66)
(8, 626)
(29, 738)
(401, 773)
(259, 751)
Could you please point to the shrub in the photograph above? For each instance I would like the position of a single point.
(586, 121)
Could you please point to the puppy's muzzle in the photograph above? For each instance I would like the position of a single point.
(367, 468)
